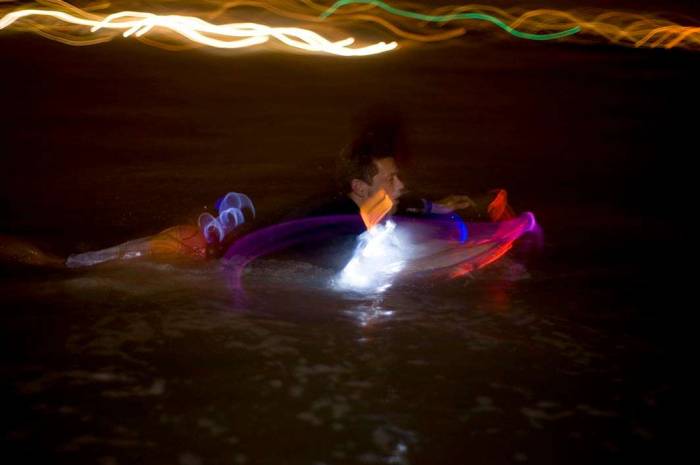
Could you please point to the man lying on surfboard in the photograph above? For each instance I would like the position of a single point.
(365, 168)
(370, 188)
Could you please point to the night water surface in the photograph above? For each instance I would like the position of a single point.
(562, 352)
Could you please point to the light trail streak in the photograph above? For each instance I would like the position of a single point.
(622, 28)
(193, 25)
(227, 36)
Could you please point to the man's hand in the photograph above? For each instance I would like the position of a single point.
(452, 203)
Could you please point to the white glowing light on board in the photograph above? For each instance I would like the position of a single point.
(381, 254)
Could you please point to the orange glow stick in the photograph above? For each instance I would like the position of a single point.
(375, 208)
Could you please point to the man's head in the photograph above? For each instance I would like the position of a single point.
(369, 165)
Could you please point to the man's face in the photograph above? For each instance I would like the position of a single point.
(387, 178)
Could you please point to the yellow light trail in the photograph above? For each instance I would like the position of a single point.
(227, 36)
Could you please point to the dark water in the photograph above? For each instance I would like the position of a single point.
(562, 353)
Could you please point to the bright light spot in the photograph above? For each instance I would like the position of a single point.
(381, 254)
(234, 35)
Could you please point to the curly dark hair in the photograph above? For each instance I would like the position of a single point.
(357, 159)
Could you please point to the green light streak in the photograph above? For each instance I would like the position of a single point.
(453, 17)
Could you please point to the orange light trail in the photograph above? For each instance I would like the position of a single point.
(617, 27)
(376, 208)
(193, 25)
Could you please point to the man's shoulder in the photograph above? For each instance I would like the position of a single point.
(336, 205)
